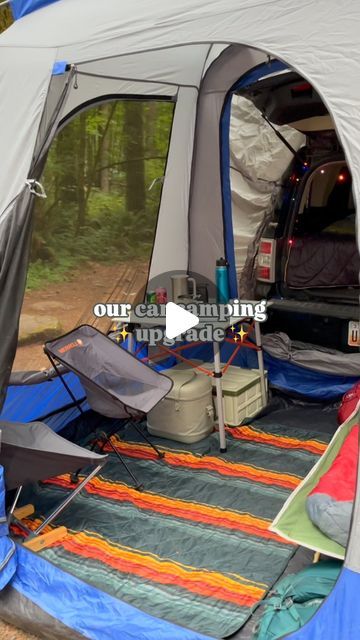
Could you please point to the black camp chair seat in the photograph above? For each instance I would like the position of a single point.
(117, 384)
(31, 452)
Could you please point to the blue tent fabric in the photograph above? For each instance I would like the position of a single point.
(21, 8)
(339, 616)
(7, 546)
(282, 375)
(91, 612)
(59, 68)
(25, 403)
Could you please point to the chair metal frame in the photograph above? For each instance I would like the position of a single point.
(106, 438)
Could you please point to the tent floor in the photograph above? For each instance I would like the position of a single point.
(301, 559)
(283, 410)
(192, 487)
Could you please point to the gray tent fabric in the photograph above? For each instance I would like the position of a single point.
(15, 235)
(17, 609)
(117, 384)
(15, 239)
(32, 451)
(310, 356)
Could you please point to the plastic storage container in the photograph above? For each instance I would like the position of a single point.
(186, 414)
(241, 392)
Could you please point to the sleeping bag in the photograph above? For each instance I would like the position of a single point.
(349, 403)
(295, 600)
(330, 503)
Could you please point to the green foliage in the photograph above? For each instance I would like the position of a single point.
(5, 18)
(92, 166)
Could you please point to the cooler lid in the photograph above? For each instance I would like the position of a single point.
(188, 385)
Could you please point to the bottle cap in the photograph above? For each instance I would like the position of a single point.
(222, 262)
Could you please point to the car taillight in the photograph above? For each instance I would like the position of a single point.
(263, 273)
(265, 246)
(266, 260)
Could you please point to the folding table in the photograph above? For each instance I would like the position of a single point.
(217, 374)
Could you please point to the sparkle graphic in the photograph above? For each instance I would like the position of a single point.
(124, 333)
(235, 338)
(242, 334)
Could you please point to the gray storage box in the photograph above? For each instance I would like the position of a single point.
(241, 392)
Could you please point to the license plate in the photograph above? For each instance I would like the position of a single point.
(354, 334)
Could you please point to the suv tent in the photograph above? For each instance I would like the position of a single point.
(69, 53)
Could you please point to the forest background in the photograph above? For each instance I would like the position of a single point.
(103, 179)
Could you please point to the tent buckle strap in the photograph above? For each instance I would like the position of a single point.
(76, 77)
(159, 180)
(36, 188)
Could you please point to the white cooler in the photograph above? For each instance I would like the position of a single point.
(186, 414)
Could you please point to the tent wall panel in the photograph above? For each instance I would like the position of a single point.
(22, 73)
(168, 66)
(15, 235)
(171, 241)
(206, 208)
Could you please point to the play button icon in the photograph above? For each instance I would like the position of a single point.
(178, 320)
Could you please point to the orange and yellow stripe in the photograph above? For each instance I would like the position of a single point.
(283, 442)
(192, 511)
(207, 463)
(233, 589)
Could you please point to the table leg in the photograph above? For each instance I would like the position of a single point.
(219, 396)
(131, 342)
(260, 358)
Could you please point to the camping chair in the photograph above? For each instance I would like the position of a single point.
(117, 384)
(31, 452)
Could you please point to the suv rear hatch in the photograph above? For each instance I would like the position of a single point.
(308, 259)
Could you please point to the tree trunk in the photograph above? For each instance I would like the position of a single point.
(81, 175)
(104, 155)
(134, 156)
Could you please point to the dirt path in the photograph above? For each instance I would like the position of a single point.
(7, 632)
(72, 302)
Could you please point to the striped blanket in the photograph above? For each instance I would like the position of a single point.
(194, 546)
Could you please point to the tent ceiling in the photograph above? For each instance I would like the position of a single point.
(329, 57)
(173, 66)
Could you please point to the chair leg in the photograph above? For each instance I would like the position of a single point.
(13, 506)
(75, 475)
(138, 485)
(67, 500)
(142, 434)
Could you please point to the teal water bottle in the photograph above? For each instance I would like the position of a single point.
(222, 281)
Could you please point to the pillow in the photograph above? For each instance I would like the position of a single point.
(329, 505)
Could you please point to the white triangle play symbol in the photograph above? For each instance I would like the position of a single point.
(178, 320)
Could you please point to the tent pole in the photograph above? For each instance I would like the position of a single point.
(260, 357)
(219, 396)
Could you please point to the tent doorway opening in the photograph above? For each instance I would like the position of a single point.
(289, 177)
(93, 235)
